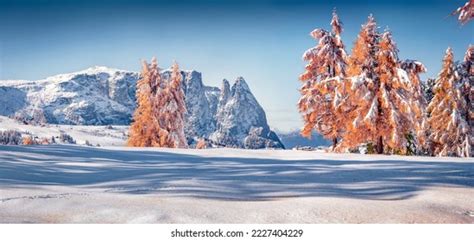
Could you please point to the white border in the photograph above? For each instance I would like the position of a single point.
(158, 232)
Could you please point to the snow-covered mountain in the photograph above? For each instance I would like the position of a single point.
(95, 96)
(230, 116)
(294, 139)
(241, 121)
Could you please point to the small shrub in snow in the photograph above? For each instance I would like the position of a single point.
(370, 148)
(44, 141)
(10, 137)
(201, 144)
(28, 140)
(304, 148)
(65, 138)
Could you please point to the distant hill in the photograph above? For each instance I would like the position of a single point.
(293, 139)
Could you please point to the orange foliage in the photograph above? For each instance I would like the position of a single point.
(363, 53)
(382, 99)
(158, 120)
(323, 73)
(28, 140)
(145, 130)
(44, 141)
(414, 68)
(449, 129)
(174, 109)
(201, 144)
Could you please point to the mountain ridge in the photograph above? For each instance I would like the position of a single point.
(101, 95)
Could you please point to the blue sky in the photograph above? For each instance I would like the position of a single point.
(260, 40)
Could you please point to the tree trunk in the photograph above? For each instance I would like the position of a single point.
(334, 143)
(380, 145)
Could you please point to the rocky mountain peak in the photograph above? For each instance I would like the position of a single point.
(225, 92)
(193, 79)
(241, 121)
(230, 116)
(239, 86)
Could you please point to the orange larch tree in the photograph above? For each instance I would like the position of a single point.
(362, 59)
(361, 67)
(413, 68)
(323, 73)
(174, 109)
(449, 128)
(384, 111)
(145, 130)
(158, 133)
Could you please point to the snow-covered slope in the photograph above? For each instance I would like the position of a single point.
(104, 96)
(94, 135)
(95, 96)
(11, 100)
(77, 184)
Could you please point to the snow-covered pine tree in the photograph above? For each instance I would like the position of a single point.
(449, 128)
(323, 73)
(466, 74)
(336, 27)
(397, 108)
(178, 94)
(175, 109)
(382, 94)
(413, 68)
(145, 130)
(10, 137)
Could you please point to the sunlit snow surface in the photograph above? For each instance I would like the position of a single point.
(79, 184)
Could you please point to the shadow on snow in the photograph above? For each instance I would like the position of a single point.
(226, 178)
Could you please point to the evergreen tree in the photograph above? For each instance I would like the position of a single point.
(449, 128)
(324, 72)
(10, 137)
